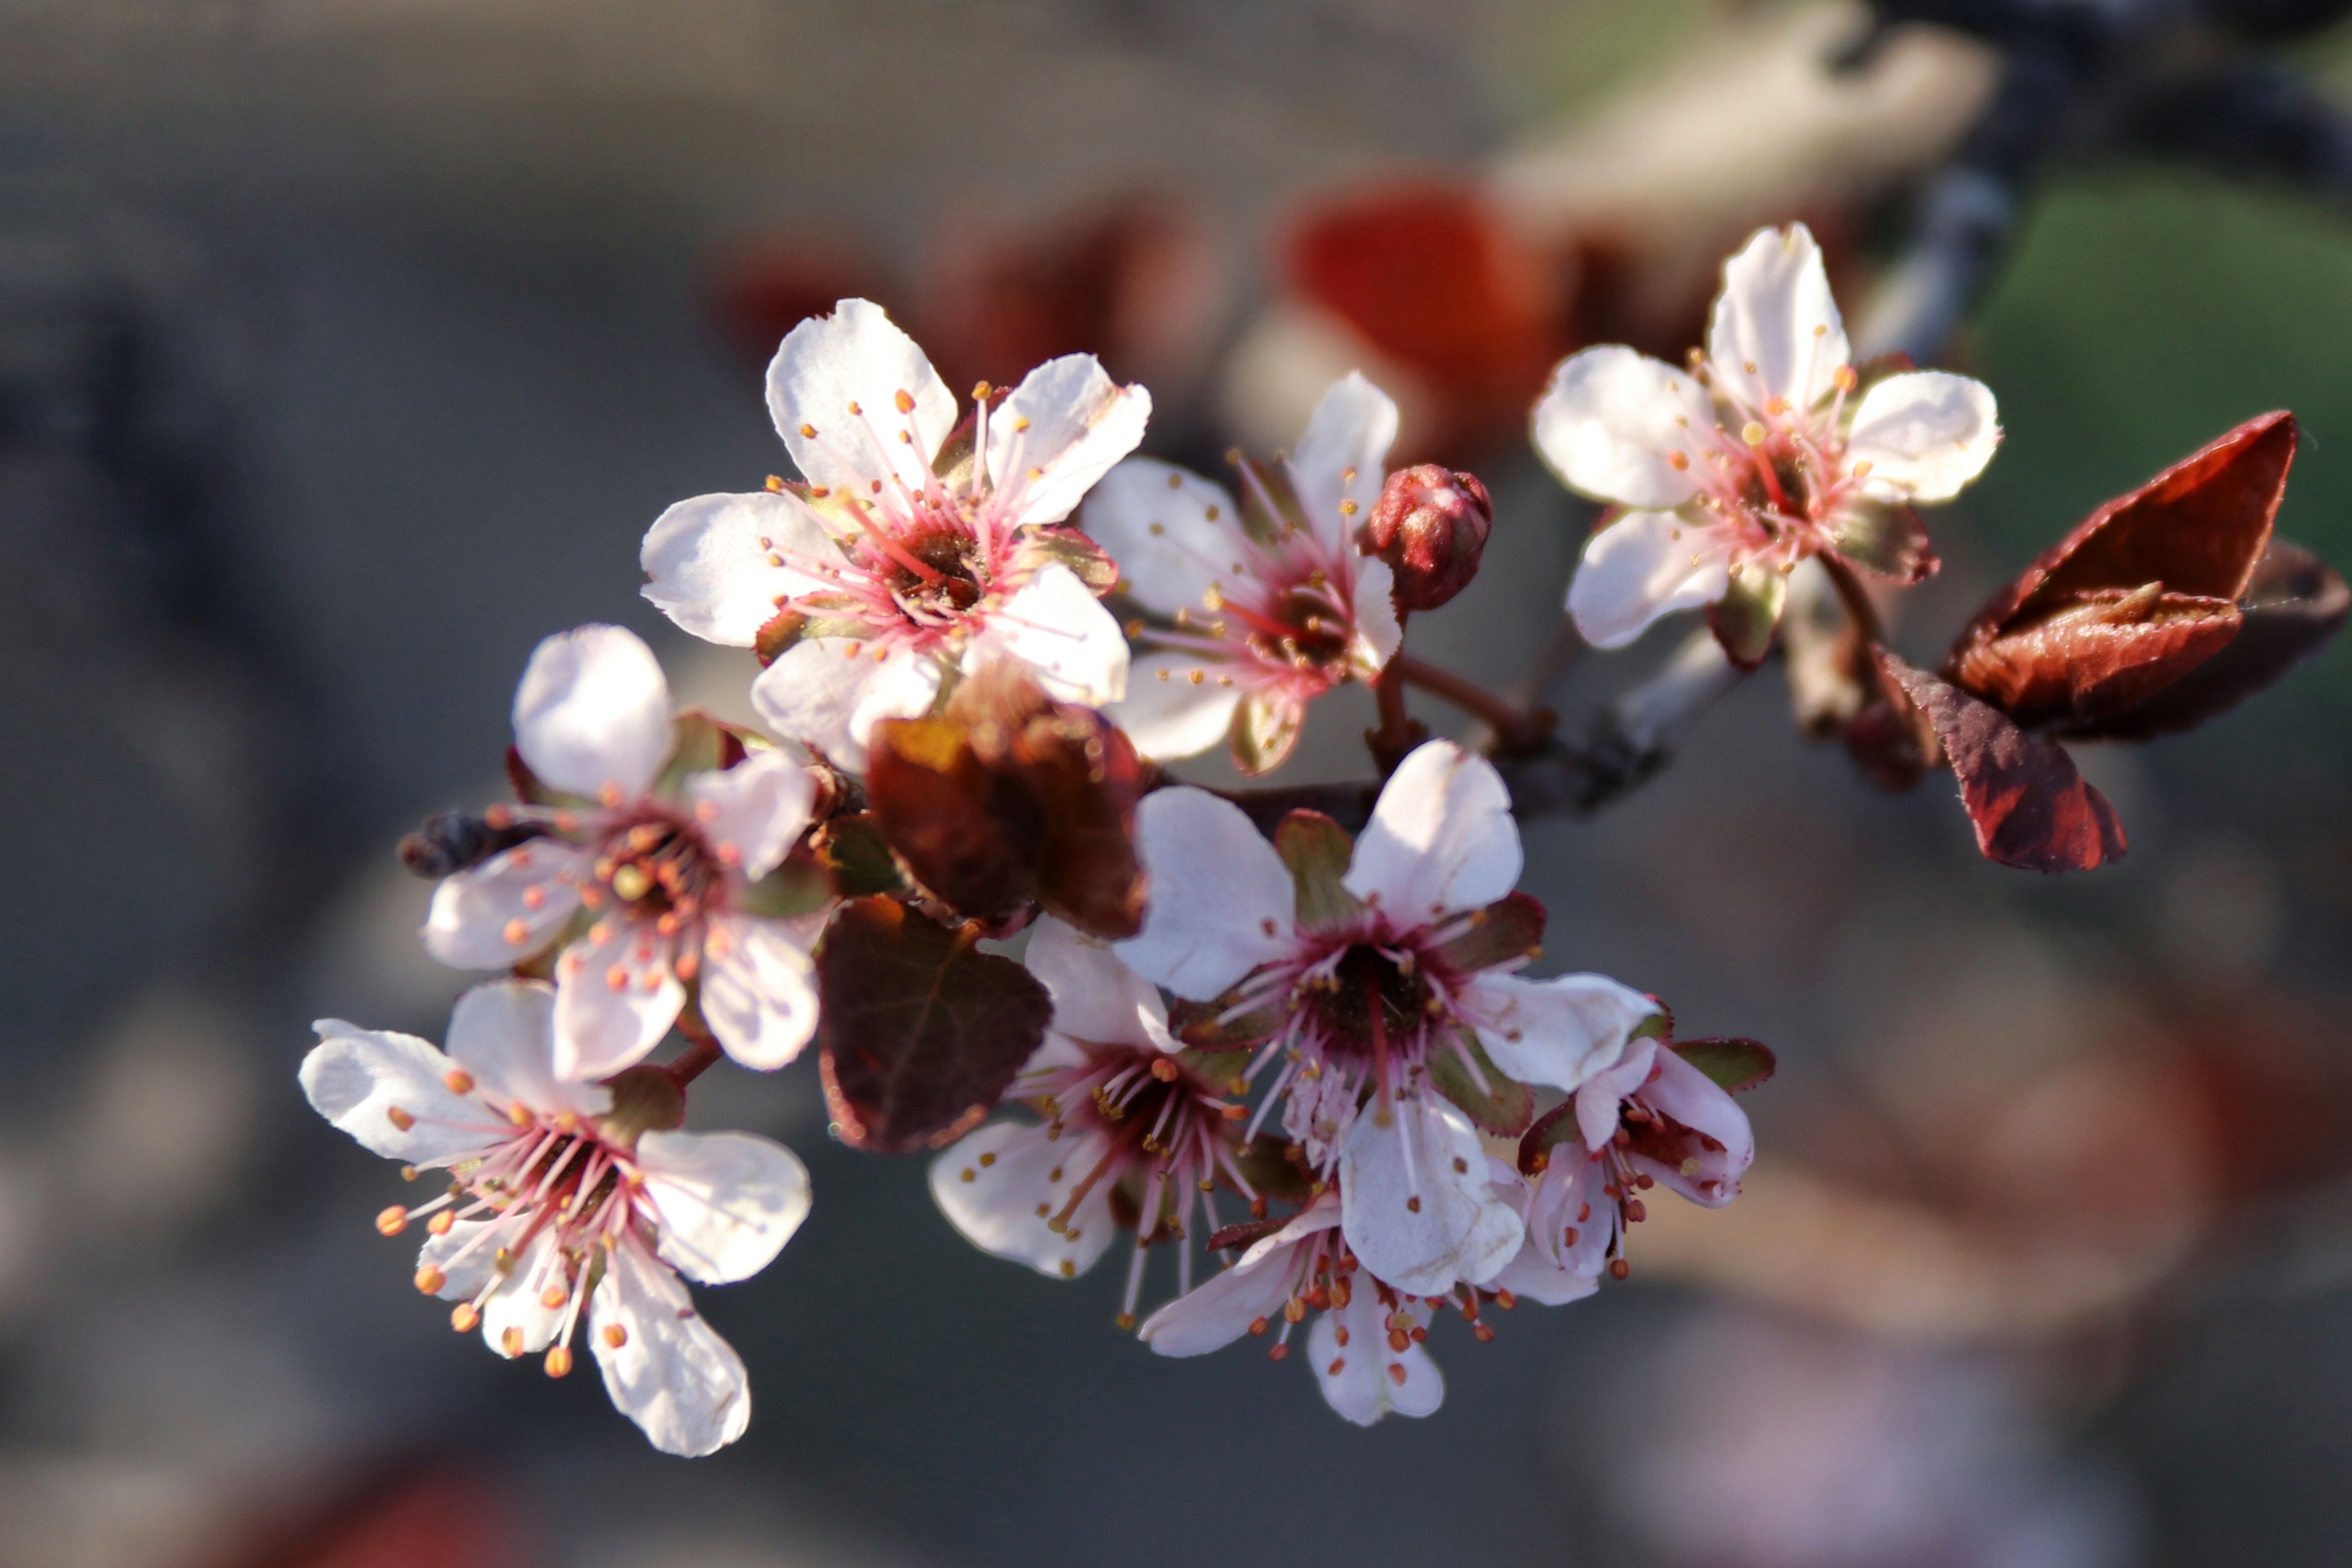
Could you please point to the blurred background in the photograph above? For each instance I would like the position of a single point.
(347, 347)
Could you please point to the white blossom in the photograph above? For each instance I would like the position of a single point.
(562, 1204)
(649, 887)
(886, 569)
(1758, 459)
(1269, 603)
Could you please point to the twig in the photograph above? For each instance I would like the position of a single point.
(1516, 729)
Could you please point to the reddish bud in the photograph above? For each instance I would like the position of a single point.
(1430, 525)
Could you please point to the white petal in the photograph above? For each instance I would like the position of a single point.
(1537, 1271)
(1644, 565)
(759, 990)
(1776, 331)
(750, 813)
(1604, 1095)
(1379, 633)
(467, 1254)
(1339, 457)
(1172, 717)
(1441, 837)
(1537, 1278)
(1221, 901)
(712, 563)
(1415, 1202)
(1610, 421)
(1356, 1378)
(828, 692)
(857, 356)
(503, 1033)
(1057, 432)
(496, 914)
(1096, 998)
(1556, 1032)
(1689, 1097)
(1001, 1185)
(1221, 1309)
(1174, 533)
(1925, 435)
(593, 713)
(727, 1201)
(1056, 626)
(519, 1304)
(615, 999)
(358, 1079)
(1571, 1224)
(671, 1374)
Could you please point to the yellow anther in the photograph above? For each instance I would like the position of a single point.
(430, 1279)
(511, 1341)
(464, 1317)
(904, 399)
(399, 1117)
(459, 1080)
(615, 1334)
(440, 1222)
(392, 1221)
(1752, 433)
(559, 1361)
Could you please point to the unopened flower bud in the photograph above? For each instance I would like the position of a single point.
(1430, 525)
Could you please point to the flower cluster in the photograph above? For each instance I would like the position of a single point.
(1307, 1056)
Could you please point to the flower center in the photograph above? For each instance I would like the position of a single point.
(1371, 1002)
(659, 871)
(935, 567)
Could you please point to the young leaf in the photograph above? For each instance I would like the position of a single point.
(2101, 652)
(2293, 606)
(920, 1033)
(1734, 1063)
(1504, 1107)
(1317, 849)
(2196, 528)
(2030, 807)
(1067, 547)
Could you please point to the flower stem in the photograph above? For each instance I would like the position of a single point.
(701, 1051)
(1515, 728)
(1856, 600)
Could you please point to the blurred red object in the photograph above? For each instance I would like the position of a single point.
(427, 1515)
(1132, 278)
(1432, 277)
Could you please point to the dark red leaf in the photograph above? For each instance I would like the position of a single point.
(1007, 795)
(2030, 807)
(2100, 652)
(1547, 1133)
(1734, 1062)
(920, 1033)
(2295, 603)
(969, 834)
(2197, 529)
